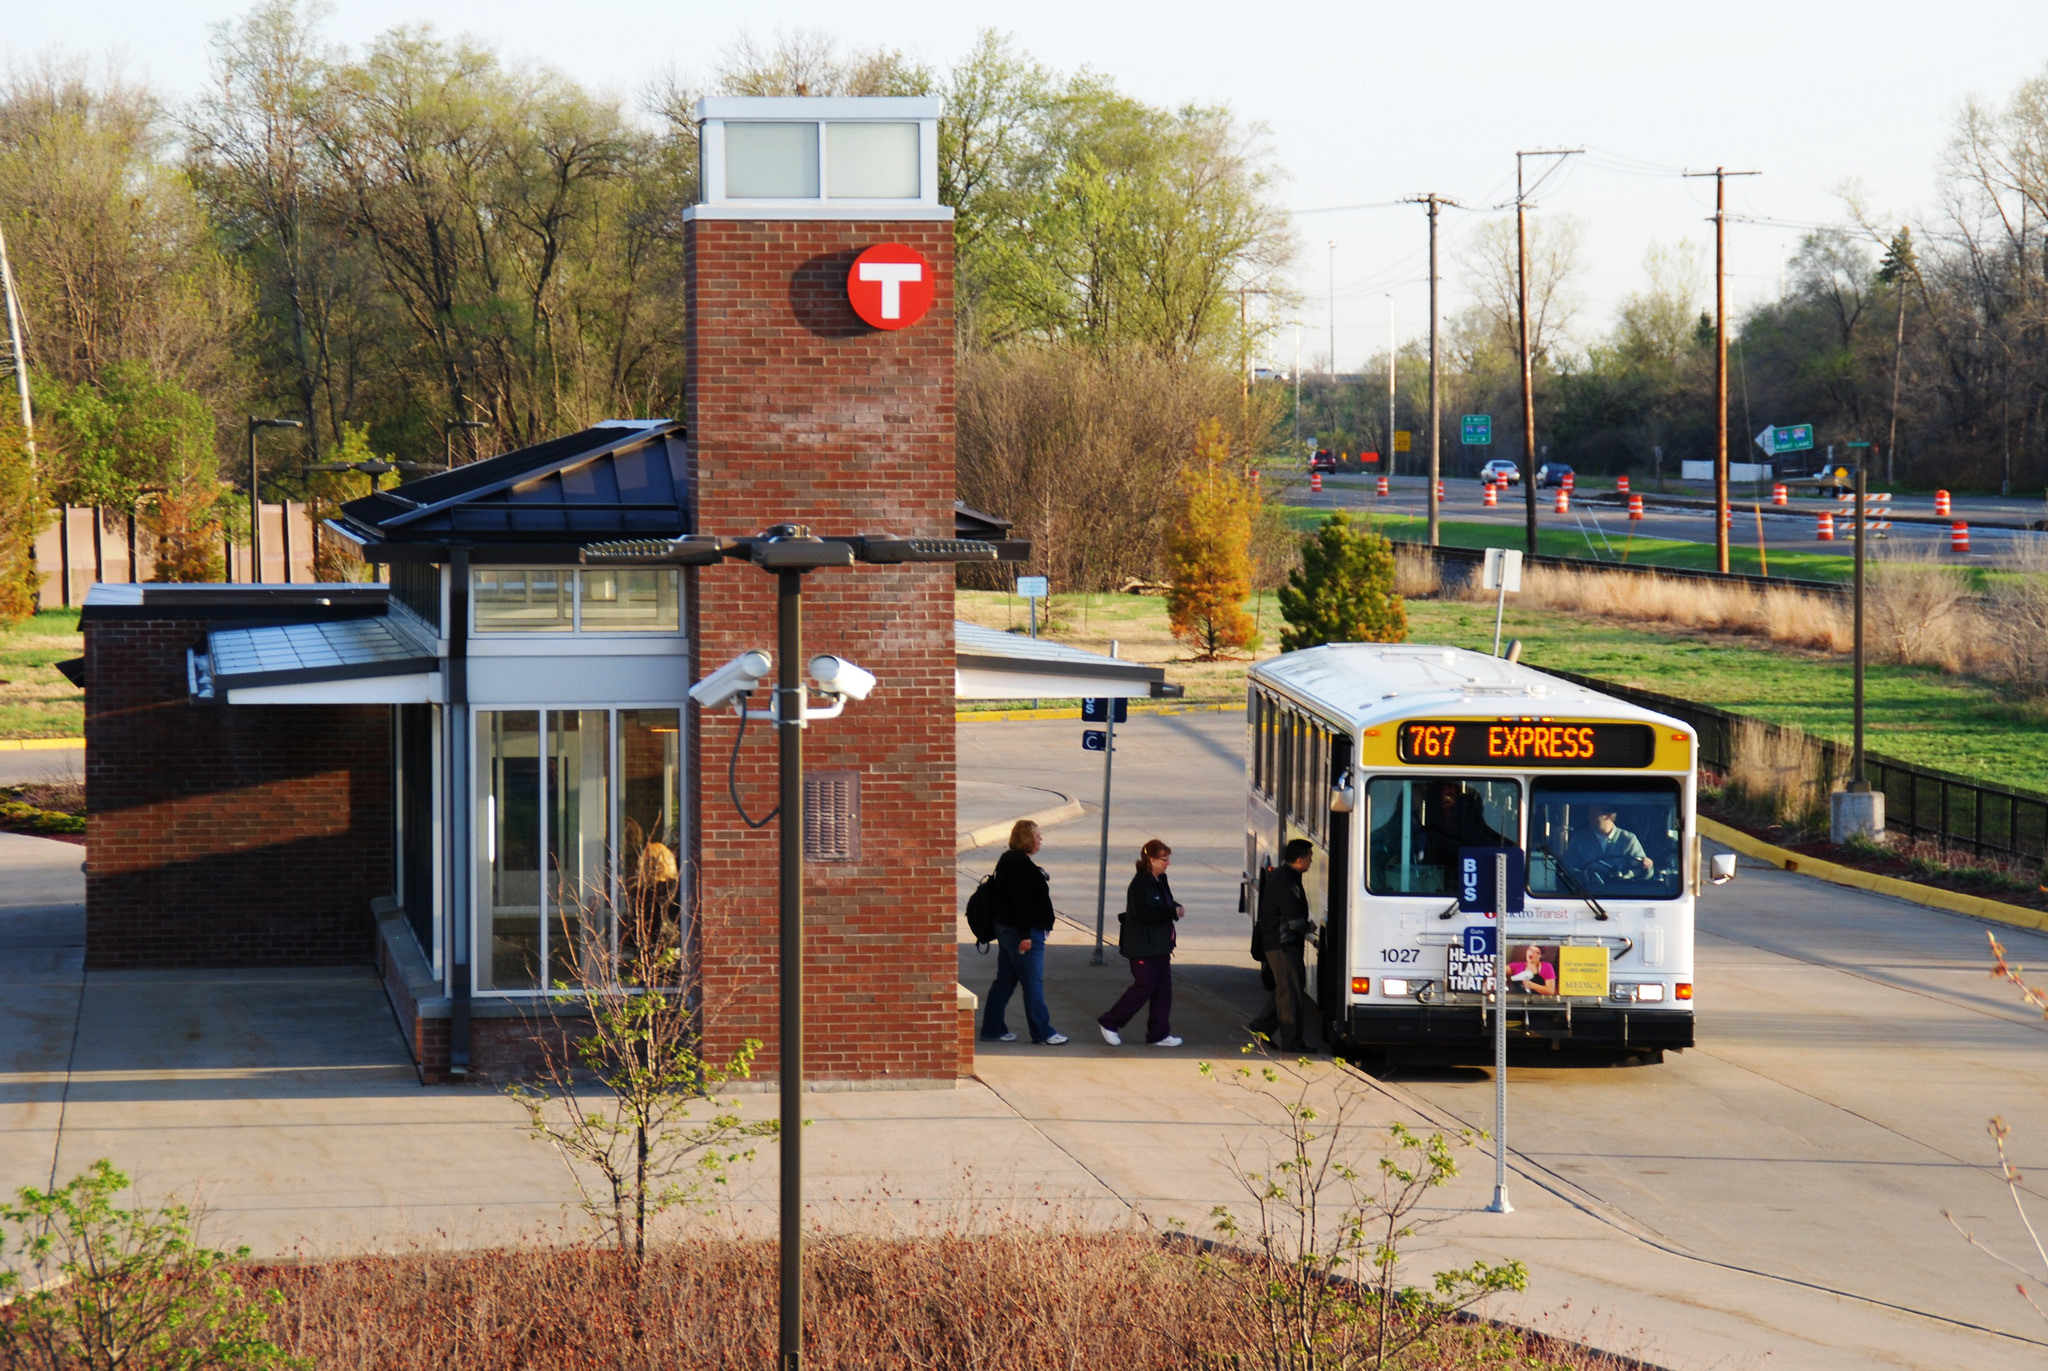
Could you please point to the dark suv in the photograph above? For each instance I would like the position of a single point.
(1551, 474)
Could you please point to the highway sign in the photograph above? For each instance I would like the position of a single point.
(1859, 442)
(1094, 740)
(1403, 440)
(1033, 587)
(1476, 430)
(1786, 438)
(1097, 709)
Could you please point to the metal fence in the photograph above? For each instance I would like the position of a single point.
(1918, 801)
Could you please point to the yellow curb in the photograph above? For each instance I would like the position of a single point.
(39, 744)
(970, 716)
(1068, 808)
(1974, 905)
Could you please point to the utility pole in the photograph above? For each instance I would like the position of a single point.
(1721, 175)
(17, 359)
(1390, 385)
(1434, 202)
(1522, 327)
(1333, 311)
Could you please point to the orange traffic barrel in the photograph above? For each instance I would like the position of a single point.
(1567, 481)
(1959, 538)
(1383, 485)
(1941, 505)
(1824, 528)
(1564, 501)
(1492, 495)
(1635, 505)
(1439, 491)
(1315, 480)
(1621, 484)
(1780, 496)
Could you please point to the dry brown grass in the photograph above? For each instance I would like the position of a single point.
(1011, 1300)
(1796, 618)
(1779, 776)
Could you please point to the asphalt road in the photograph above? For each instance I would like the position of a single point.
(1852, 1049)
(1606, 528)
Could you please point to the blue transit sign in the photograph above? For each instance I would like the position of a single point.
(1476, 880)
(1476, 430)
(1094, 740)
(1481, 940)
(1097, 710)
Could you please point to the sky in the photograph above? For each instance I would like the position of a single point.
(1366, 104)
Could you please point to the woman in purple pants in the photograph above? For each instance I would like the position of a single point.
(1146, 939)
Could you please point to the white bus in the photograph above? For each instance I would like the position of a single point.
(1390, 759)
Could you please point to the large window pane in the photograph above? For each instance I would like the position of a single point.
(523, 599)
(650, 821)
(1606, 836)
(1417, 824)
(627, 601)
(771, 161)
(578, 811)
(871, 161)
(508, 784)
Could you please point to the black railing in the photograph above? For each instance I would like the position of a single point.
(1919, 801)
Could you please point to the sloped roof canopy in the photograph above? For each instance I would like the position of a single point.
(622, 478)
(990, 664)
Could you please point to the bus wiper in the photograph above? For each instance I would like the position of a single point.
(1573, 881)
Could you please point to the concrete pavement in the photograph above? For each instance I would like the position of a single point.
(1772, 1197)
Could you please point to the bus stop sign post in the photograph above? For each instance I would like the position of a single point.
(1500, 1203)
(1502, 572)
(1106, 712)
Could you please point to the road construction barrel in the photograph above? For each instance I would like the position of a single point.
(1635, 506)
(1564, 501)
(1567, 484)
(1941, 505)
(1492, 496)
(1959, 538)
(1383, 485)
(1824, 527)
(1315, 481)
(1621, 484)
(1439, 492)
(1780, 496)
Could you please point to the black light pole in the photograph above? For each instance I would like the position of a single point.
(256, 500)
(789, 551)
(448, 438)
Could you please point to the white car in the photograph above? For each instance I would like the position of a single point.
(1501, 471)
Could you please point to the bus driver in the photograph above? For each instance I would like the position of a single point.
(1606, 852)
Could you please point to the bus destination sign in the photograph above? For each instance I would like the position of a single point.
(1536, 744)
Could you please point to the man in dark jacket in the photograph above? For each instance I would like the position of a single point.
(1284, 926)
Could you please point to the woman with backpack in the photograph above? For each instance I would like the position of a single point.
(1146, 938)
(1024, 918)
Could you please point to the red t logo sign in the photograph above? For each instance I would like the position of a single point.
(890, 286)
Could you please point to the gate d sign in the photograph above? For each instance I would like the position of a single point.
(890, 286)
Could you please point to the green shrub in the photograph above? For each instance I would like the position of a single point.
(1344, 590)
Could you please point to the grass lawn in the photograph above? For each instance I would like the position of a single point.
(35, 700)
(1915, 714)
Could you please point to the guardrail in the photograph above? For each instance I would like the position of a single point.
(1467, 559)
(1918, 801)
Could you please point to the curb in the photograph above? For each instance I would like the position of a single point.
(970, 716)
(1976, 906)
(972, 838)
(39, 744)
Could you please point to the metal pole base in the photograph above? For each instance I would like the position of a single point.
(1500, 1203)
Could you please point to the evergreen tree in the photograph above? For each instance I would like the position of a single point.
(1344, 589)
(1209, 552)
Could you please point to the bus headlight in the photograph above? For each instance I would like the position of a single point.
(1647, 992)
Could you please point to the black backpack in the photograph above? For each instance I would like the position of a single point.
(981, 913)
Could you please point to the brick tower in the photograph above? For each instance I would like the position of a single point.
(802, 412)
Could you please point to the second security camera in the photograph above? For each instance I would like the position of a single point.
(837, 676)
(736, 677)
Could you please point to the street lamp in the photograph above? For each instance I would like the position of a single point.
(789, 552)
(255, 499)
(448, 438)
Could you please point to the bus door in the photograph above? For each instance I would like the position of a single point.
(1330, 980)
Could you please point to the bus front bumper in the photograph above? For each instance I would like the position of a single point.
(1471, 1025)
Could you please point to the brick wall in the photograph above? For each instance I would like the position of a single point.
(224, 836)
(800, 412)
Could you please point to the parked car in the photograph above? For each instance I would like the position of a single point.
(1551, 474)
(1501, 471)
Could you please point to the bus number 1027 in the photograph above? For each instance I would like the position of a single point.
(1400, 954)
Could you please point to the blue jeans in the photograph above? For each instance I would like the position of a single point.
(1014, 968)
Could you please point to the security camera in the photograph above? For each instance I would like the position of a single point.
(736, 677)
(837, 676)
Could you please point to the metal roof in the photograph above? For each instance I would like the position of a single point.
(619, 478)
(1372, 682)
(992, 664)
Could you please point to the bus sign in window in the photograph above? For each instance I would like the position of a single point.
(1535, 744)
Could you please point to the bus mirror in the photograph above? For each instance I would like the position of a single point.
(1724, 867)
(1343, 796)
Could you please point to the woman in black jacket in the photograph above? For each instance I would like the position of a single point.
(1146, 938)
(1024, 919)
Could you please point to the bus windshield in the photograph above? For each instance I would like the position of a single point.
(1604, 836)
(1416, 824)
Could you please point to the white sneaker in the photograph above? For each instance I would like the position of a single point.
(1111, 1036)
(1056, 1040)
(1167, 1042)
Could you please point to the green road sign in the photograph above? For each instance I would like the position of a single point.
(1859, 442)
(1478, 430)
(1786, 438)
